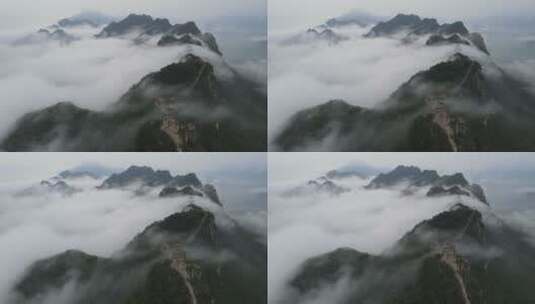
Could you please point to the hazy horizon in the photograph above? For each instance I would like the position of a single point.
(284, 14)
(15, 14)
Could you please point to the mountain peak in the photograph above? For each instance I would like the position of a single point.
(143, 174)
(193, 224)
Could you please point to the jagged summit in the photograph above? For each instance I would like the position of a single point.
(453, 225)
(191, 71)
(452, 257)
(454, 105)
(144, 27)
(134, 22)
(413, 26)
(175, 258)
(172, 186)
(445, 185)
(149, 177)
(184, 106)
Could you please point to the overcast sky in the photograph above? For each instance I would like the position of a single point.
(285, 13)
(22, 166)
(21, 13)
(296, 165)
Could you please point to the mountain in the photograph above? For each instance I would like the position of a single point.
(59, 32)
(410, 176)
(47, 35)
(413, 26)
(135, 174)
(144, 27)
(52, 186)
(322, 185)
(453, 106)
(323, 34)
(454, 257)
(183, 107)
(173, 186)
(184, 258)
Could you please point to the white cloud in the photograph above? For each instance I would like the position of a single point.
(361, 71)
(100, 222)
(371, 221)
(300, 12)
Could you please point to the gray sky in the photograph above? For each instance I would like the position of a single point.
(286, 13)
(22, 13)
(296, 165)
(508, 178)
(22, 166)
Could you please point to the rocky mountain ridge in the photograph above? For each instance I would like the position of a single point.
(173, 186)
(446, 259)
(414, 177)
(145, 27)
(453, 106)
(182, 107)
(463, 103)
(184, 258)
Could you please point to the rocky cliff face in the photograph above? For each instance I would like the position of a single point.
(185, 258)
(452, 106)
(447, 259)
(439, 185)
(172, 186)
(182, 107)
(412, 26)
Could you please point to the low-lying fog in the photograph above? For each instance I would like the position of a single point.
(94, 73)
(364, 72)
(37, 224)
(371, 221)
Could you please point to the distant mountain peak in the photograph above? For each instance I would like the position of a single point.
(445, 185)
(146, 26)
(442, 34)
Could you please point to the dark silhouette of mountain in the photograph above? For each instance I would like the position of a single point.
(173, 186)
(211, 192)
(410, 176)
(322, 185)
(323, 34)
(47, 35)
(452, 258)
(133, 22)
(174, 192)
(452, 106)
(145, 26)
(182, 107)
(52, 186)
(135, 174)
(413, 25)
(184, 258)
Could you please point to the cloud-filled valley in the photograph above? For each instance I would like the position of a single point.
(42, 216)
(94, 66)
(375, 69)
(334, 213)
